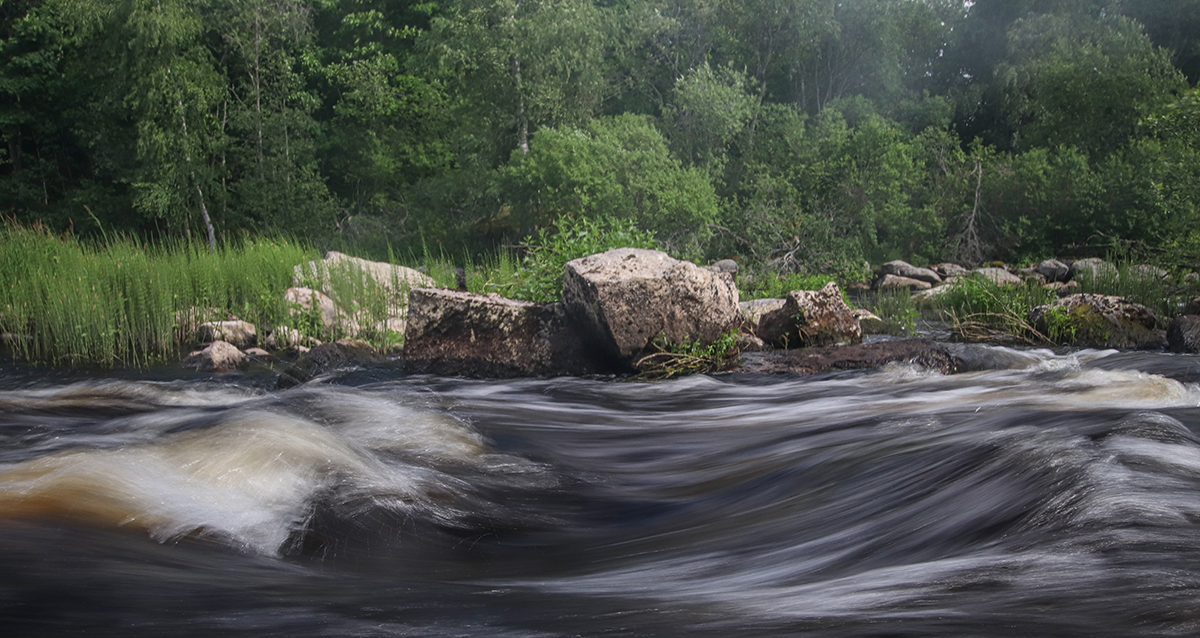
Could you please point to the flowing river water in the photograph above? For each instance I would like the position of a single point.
(1055, 495)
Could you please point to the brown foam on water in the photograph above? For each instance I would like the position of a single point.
(250, 480)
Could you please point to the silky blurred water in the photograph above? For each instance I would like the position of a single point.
(1057, 495)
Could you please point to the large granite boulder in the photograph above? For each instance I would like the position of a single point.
(1183, 334)
(810, 318)
(462, 333)
(628, 297)
(902, 268)
(388, 276)
(218, 356)
(1101, 321)
(242, 334)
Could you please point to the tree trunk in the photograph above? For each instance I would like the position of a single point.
(522, 122)
(212, 239)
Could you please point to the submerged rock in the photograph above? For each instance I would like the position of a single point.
(461, 333)
(626, 298)
(218, 356)
(921, 352)
(1100, 321)
(327, 357)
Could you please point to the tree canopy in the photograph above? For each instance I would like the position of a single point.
(820, 134)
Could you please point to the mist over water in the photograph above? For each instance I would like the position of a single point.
(1058, 495)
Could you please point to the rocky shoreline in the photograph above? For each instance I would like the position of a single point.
(619, 305)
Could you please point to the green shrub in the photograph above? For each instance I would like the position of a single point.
(549, 250)
(690, 357)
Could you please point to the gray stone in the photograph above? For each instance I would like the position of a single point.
(950, 270)
(811, 318)
(239, 333)
(902, 268)
(626, 298)
(462, 333)
(1053, 270)
(725, 265)
(1031, 275)
(1093, 268)
(218, 356)
(926, 296)
(999, 276)
(753, 310)
(1148, 273)
(1192, 307)
(1063, 288)
(285, 338)
(896, 282)
(302, 300)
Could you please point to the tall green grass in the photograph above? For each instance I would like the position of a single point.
(1124, 279)
(981, 310)
(896, 309)
(124, 303)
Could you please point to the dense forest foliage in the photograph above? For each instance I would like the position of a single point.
(820, 133)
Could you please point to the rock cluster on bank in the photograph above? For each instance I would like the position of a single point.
(1076, 318)
(619, 306)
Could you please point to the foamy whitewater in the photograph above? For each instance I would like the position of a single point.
(1054, 495)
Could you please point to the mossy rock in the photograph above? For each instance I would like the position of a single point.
(1098, 321)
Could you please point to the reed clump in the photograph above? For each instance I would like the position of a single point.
(124, 302)
(982, 310)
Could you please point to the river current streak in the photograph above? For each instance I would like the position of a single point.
(1055, 495)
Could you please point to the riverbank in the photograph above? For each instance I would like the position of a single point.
(124, 304)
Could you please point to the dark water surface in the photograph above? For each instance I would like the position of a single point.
(1057, 497)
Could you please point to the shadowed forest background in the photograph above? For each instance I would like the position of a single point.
(818, 133)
